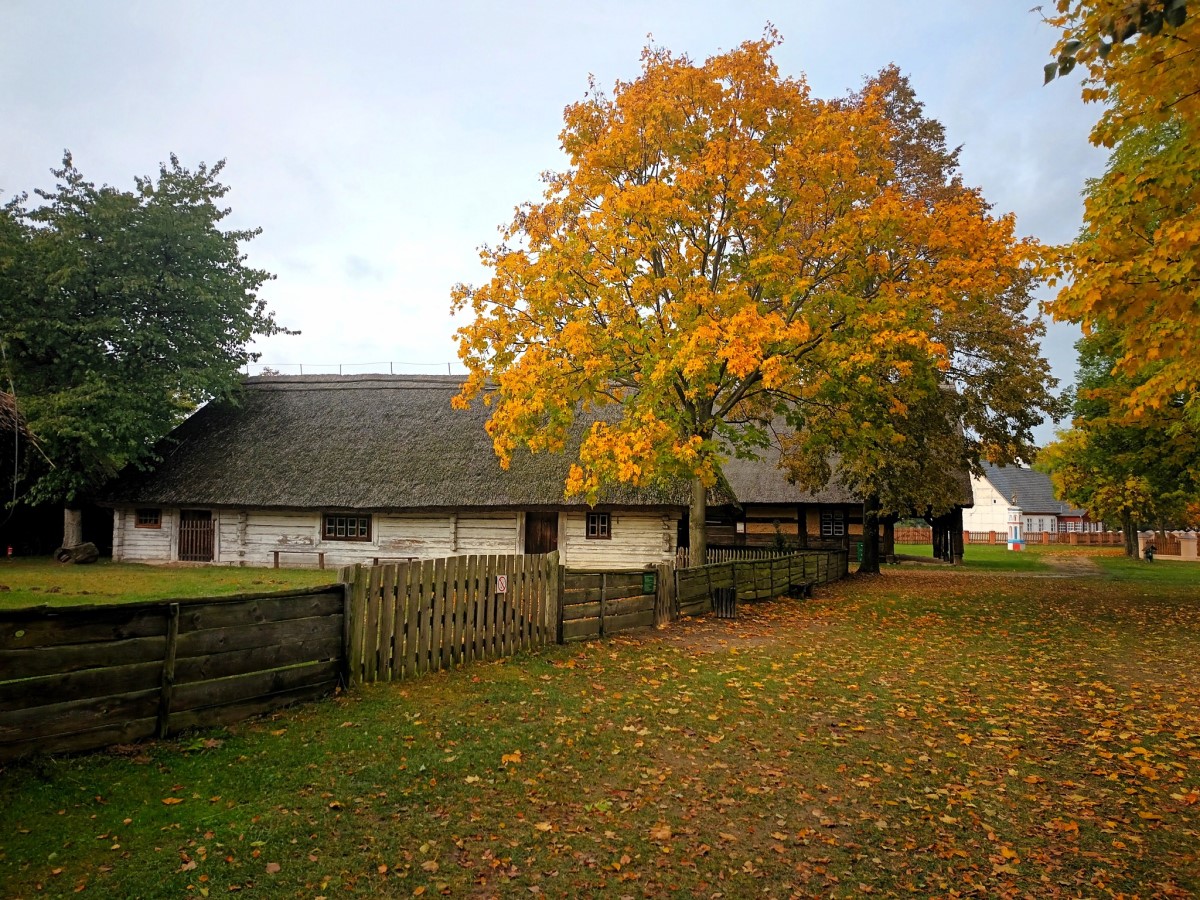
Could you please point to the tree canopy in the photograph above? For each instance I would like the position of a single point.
(124, 310)
(726, 251)
(1138, 471)
(1135, 269)
(898, 441)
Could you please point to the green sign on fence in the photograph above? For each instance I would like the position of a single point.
(649, 582)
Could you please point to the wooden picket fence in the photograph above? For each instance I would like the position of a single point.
(410, 618)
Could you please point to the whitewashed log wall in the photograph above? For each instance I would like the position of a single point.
(250, 538)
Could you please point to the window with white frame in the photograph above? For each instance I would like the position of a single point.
(833, 523)
(599, 526)
(341, 527)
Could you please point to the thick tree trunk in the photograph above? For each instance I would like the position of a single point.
(802, 527)
(956, 536)
(697, 529)
(72, 527)
(1130, 536)
(870, 560)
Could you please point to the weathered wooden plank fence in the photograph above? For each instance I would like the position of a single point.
(77, 678)
(410, 618)
(696, 588)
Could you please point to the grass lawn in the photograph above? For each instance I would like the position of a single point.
(34, 582)
(998, 558)
(916, 733)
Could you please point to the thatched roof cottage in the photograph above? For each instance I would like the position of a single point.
(355, 468)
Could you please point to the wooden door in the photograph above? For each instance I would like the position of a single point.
(195, 535)
(541, 532)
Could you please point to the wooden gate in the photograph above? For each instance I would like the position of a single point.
(195, 535)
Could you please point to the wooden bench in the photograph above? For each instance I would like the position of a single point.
(375, 559)
(320, 556)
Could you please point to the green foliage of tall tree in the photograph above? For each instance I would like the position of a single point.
(122, 311)
(1139, 471)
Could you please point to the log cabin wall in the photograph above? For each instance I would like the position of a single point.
(252, 537)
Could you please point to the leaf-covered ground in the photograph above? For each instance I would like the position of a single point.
(928, 733)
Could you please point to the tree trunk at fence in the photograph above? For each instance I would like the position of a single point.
(72, 527)
(870, 556)
(697, 528)
(1130, 535)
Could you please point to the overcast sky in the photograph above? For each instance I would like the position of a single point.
(378, 144)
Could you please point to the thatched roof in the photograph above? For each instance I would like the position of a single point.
(10, 418)
(370, 442)
(385, 442)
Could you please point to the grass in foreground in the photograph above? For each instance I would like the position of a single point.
(914, 733)
(29, 582)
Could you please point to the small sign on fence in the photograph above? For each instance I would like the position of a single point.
(649, 582)
(501, 584)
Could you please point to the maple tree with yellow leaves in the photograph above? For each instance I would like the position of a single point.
(725, 251)
(1135, 269)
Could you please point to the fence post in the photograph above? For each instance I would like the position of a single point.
(356, 624)
(167, 686)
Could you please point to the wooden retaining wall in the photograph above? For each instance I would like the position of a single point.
(78, 678)
(411, 618)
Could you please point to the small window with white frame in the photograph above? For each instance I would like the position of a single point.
(832, 523)
(342, 527)
(148, 518)
(599, 526)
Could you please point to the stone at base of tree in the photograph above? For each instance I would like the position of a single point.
(80, 553)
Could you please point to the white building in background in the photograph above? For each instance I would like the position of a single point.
(1003, 486)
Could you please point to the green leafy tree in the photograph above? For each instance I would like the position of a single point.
(124, 310)
(1140, 471)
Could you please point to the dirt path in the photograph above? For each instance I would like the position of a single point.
(1072, 564)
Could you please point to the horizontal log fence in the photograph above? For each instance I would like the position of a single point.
(696, 588)
(79, 678)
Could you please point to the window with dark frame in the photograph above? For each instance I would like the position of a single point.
(148, 518)
(599, 526)
(346, 528)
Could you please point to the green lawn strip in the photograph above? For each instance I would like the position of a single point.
(989, 557)
(1160, 572)
(911, 733)
(27, 582)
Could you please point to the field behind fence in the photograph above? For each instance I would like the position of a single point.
(78, 678)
